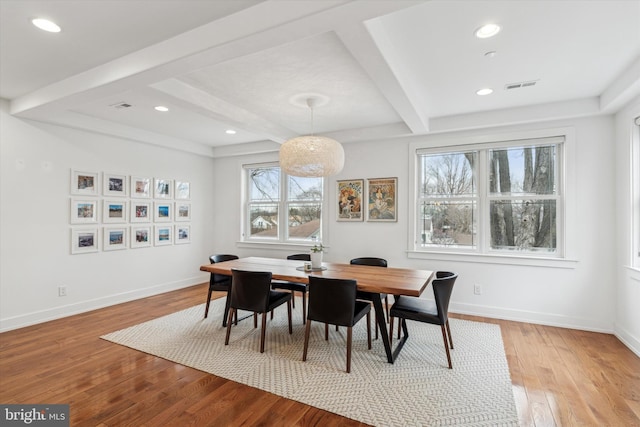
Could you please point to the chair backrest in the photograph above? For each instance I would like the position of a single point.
(442, 289)
(250, 290)
(376, 262)
(220, 278)
(300, 257)
(332, 300)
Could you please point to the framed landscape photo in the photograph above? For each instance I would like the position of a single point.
(141, 211)
(114, 211)
(163, 189)
(141, 236)
(114, 185)
(84, 240)
(350, 194)
(84, 211)
(162, 211)
(163, 235)
(183, 190)
(183, 234)
(382, 203)
(114, 238)
(183, 211)
(140, 187)
(85, 183)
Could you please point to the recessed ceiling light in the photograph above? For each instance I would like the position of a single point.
(46, 25)
(230, 132)
(162, 108)
(484, 91)
(488, 30)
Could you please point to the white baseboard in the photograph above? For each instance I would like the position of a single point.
(28, 319)
(537, 318)
(628, 339)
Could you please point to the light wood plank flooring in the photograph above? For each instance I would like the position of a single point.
(561, 377)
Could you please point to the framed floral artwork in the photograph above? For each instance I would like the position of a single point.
(114, 211)
(85, 183)
(163, 235)
(382, 200)
(140, 211)
(183, 211)
(140, 187)
(183, 234)
(141, 236)
(183, 190)
(350, 194)
(114, 185)
(163, 189)
(84, 211)
(84, 240)
(162, 212)
(114, 238)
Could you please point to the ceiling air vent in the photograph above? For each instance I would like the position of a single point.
(520, 84)
(121, 105)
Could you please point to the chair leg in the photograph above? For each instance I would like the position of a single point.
(304, 308)
(446, 346)
(326, 332)
(263, 332)
(399, 327)
(293, 299)
(449, 333)
(306, 341)
(227, 304)
(271, 314)
(391, 330)
(369, 330)
(349, 337)
(289, 313)
(231, 311)
(206, 309)
(386, 306)
(255, 320)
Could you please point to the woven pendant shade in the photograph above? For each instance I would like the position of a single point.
(311, 156)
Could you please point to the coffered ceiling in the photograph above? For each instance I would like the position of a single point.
(379, 69)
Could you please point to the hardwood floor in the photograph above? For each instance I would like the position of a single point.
(560, 376)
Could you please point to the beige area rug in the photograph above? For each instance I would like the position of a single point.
(417, 390)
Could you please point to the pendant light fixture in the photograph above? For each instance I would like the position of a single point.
(311, 155)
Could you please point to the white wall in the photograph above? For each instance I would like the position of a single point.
(580, 296)
(627, 319)
(35, 258)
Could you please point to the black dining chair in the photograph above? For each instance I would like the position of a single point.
(219, 282)
(251, 291)
(294, 287)
(421, 310)
(367, 296)
(333, 301)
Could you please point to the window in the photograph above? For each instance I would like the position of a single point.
(282, 208)
(497, 198)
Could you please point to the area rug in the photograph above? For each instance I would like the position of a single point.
(417, 390)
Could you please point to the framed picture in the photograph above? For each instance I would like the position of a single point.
(141, 236)
(114, 211)
(84, 211)
(84, 240)
(163, 189)
(162, 211)
(350, 206)
(382, 203)
(183, 211)
(140, 211)
(183, 234)
(140, 187)
(114, 185)
(183, 190)
(85, 183)
(163, 235)
(114, 238)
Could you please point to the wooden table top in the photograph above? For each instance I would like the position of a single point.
(395, 281)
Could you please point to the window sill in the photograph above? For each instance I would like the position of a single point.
(495, 259)
(288, 246)
(634, 273)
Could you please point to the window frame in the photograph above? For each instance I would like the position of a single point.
(635, 189)
(565, 230)
(282, 238)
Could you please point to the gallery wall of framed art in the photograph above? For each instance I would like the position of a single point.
(110, 211)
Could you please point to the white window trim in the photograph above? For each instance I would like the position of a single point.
(567, 187)
(635, 194)
(246, 241)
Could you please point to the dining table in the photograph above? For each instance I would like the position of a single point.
(372, 280)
